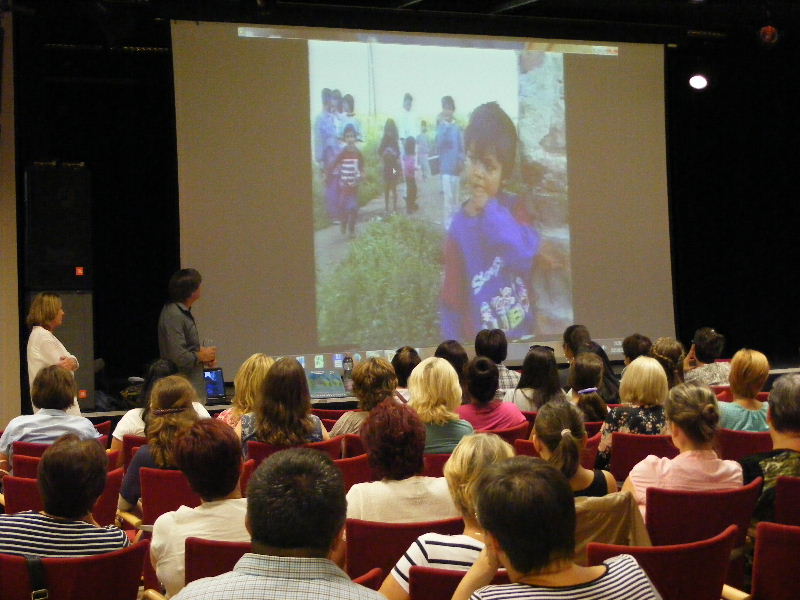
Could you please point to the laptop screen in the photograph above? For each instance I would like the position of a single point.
(325, 384)
(215, 383)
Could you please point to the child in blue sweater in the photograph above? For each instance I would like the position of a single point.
(491, 242)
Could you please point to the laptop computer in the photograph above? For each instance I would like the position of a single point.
(325, 384)
(215, 385)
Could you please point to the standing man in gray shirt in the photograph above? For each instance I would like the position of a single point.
(178, 339)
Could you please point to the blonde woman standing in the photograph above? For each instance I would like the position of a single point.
(436, 396)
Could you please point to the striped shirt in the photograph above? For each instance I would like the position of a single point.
(624, 579)
(35, 534)
(454, 552)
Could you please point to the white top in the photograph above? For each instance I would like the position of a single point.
(453, 552)
(409, 500)
(131, 422)
(45, 349)
(220, 520)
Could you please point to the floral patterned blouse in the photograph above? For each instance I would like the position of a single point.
(648, 420)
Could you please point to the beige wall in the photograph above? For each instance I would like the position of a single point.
(9, 311)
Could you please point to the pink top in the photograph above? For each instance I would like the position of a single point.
(495, 415)
(691, 471)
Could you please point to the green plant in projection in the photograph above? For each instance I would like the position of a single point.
(386, 291)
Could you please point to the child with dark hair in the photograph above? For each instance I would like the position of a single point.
(349, 117)
(491, 243)
(410, 171)
(450, 147)
(389, 151)
(349, 165)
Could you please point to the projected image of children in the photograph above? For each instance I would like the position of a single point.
(471, 141)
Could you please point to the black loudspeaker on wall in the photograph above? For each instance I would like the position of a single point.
(58, 227)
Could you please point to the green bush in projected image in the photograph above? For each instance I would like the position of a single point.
(386, 291)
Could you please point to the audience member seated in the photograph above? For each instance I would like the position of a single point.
(538, 382)
(784, 459)
(634, 346)
(454, 353)
(670, 354)
(436, 396)
(134, 422)
(485, 411)
(247, 383)
(456, 552)
(559, 437)
(52, 393)
(643, 392)
(699, 365)
(526, 509)
(749, 372)
(585, 379)
(209, 454)
(577, 341)
(692, 417)
(374, 381)
(492, 344)
(295, 515)
(403, 362)
(171, 412)
(282, 414)
(394, 437)
(72, 475)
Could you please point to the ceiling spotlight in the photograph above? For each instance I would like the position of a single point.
(698, 81)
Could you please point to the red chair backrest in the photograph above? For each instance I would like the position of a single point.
(530, 416)
(592, 428)
(680, 517)
(363, 553)
(762, 396)
(434, 464)
(209, 558)
(113, 459)
(164, 490)
(328, 424)
(247, 472)
(776, 562)
(628, 449)
(352, 445)
(372, 579)
(105, 509)
(332, 447)
(103, 428)
(25, 466)
(129, 442)
(787, 501)
(29, 448)
(733, 445)
(111, 576)
(329, 413)
(725, 396)
(259, 451)
(694, 571)
(355, 470)
(262, 450)
(427, 583)
(588, 454)
(509, 434)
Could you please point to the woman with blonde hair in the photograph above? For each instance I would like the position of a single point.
(45, 315)
(456, 552)
(282, 412)
(247, 383)
(436, 396)
(171, 412)
(749, 372)
(643, 392)
(374, 381)
(691, 411)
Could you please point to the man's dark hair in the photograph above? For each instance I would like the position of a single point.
(53, 387)
(183, 284)
(71, 476)
(482, 379)
(448, 102)
(708, 344)
(404, 361)
(210, 455)
(296, 501)
(492, 343)
(528, 506)
(784, 403)
(636, 345)
(490, 129)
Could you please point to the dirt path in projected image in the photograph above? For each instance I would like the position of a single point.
(330, 245)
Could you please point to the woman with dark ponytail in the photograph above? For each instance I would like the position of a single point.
(559, 436)
(692, 418)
